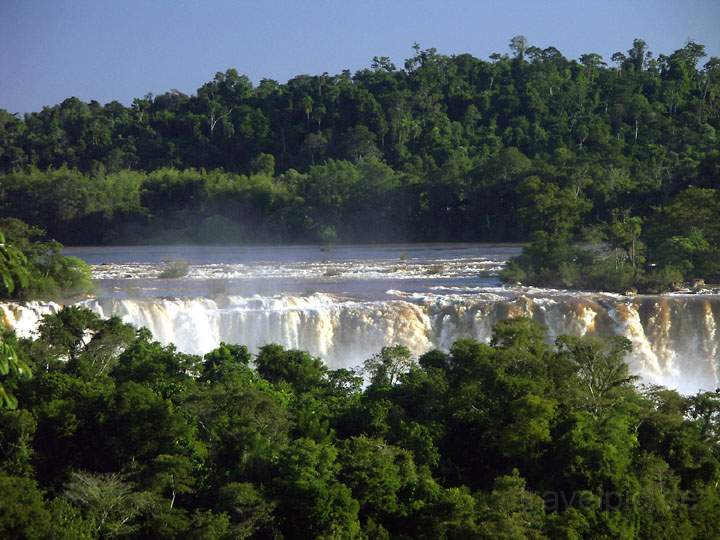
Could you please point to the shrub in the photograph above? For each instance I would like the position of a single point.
(662, 279)
(174, 270)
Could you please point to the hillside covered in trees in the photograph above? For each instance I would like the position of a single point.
(444, 148)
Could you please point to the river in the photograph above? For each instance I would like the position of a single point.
(344, 303)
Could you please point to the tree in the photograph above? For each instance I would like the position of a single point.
(108, 501)
(638, 55)
(315, 144)
(518, 45)
(625, 235)
(388, 366)
(90, 344)
(263, 164)
(12, 369)
(382, 63)
(307, 103)
(376, 473)
(359, 142)
(314, 502)
(297, 368)
(250, 510)
(32, 266)
(172, 475)
(601, 368)
(14, 271)
(24, 514)
(510, 511)
(225, 358)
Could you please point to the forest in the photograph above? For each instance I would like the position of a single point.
(526, 146)
(116, 436)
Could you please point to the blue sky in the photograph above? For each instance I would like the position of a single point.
(105, 50)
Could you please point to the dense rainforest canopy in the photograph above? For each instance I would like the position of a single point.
(116, 436)
(444, 148)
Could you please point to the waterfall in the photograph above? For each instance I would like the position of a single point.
(675, 338)
(343, 333)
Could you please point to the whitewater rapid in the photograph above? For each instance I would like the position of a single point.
(675, 338)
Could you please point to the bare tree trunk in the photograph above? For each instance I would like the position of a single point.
(214, 120)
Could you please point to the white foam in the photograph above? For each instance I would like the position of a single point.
(675, 339)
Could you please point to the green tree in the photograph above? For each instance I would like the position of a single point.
(13, 269)
(108, 501)
(314, 502)
(297, 368)
(601, 368)
(24, 514)
(386, 367)
(510, 511)
(12, 369)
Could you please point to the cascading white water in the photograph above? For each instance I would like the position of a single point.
(675, 338)
(24, 318)
(344, 333)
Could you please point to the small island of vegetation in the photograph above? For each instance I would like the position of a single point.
(679, 243)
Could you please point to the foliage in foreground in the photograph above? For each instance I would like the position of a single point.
(32, 267)
(117, 436)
